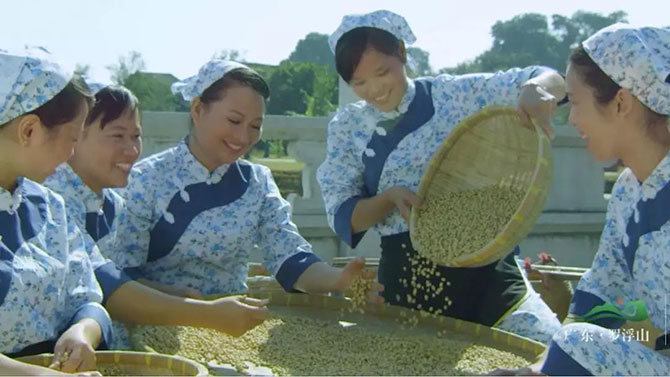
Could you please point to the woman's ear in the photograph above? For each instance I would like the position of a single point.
(29, 130)
(625, 103)
(196, 110)
(402, 52)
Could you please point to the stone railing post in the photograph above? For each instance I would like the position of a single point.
(311, 154)
(306, 138)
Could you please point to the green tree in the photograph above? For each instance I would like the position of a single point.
(529, 39)
(313, 49)
(126, 66)
(323, 98)
(571, 31)
(230, 54)
(301, 88)
(524, 40)
(154, 93)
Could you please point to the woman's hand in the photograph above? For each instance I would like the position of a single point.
(75, 349)
(235, 315)
(536, 103)
(354, 269)
(538, 99)
(403, 199)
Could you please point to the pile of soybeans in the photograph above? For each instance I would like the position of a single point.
(312, 344)
(113, 370)
(461, 223)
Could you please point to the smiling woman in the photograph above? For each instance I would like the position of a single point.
(197, 210)
(379, 149)
(372, 61)
(619, 87)
(227, 118)
(110, 145)
(111, 141)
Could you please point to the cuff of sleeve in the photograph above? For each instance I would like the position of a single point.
(293, 267)
(96, 312)
(110, 278)
(343, 222)
(133, 272)
(540, 69)
(663, 342)
(583, 302)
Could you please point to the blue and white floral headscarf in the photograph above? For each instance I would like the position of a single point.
(636, 58)
(381, 19)
(95, 85)
(211, 72)
(28, 79)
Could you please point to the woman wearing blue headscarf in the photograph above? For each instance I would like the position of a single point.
(380, 147)
(618, 82)
(49, 297)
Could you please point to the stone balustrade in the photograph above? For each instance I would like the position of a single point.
(569, 227)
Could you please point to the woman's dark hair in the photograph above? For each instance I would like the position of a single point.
(603, 87)
(239, 76)
(110, 103)
(65, 106)
(351, 46)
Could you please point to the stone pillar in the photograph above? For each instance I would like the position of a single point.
(312, 154)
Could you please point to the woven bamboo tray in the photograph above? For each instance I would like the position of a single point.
(334, 307)
(135, 363)
(491, 148)
(384, 318)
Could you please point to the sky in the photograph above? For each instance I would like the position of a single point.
(179, 36)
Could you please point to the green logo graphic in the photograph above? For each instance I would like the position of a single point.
(634, 311)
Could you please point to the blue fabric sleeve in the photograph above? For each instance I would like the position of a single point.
(110, 278)
(540, 69)
(343, 222)
(582, 302)
(293, 267)
(559, 363)
(97, 313)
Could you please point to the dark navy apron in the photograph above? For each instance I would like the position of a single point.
(483, 294)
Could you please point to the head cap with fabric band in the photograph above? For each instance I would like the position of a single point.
(211, 72)
(29, 78)
(381, 19)
(636, 58)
